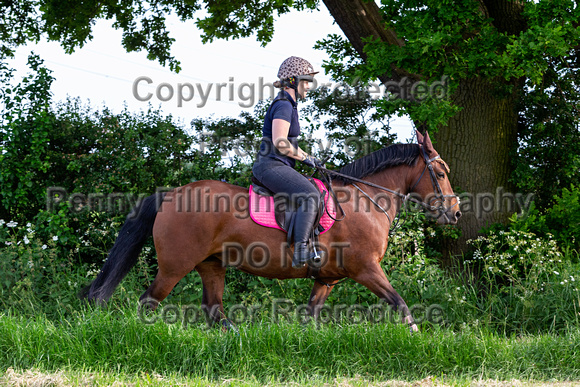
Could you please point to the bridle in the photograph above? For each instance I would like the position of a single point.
(435, 203)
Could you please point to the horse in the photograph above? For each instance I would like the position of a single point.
(204, 226)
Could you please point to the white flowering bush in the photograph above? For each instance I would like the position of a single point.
(520, 281)
(42, 265)
(412, 235)
(30, 267)
(513, 280)
(516, 258)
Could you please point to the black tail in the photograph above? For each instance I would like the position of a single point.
(124, 254)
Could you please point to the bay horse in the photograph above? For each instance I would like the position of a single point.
(191, 235)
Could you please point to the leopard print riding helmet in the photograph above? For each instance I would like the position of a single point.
(293, 70)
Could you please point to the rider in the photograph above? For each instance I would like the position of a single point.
(279, 150)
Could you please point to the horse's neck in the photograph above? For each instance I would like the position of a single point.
(394, 178)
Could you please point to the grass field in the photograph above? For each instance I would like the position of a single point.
(100, 347)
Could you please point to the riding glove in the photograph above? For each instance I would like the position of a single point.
(313, 162)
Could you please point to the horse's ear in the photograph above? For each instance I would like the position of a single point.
(420, 137)
(427, 144)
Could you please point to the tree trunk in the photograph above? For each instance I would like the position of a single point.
(477, 145)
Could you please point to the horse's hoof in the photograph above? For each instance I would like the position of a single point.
(228, 326)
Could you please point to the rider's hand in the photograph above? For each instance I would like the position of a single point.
(312, 161)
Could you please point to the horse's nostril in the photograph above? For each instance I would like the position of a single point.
(458, 214)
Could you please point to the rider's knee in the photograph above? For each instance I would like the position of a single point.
(311, 201)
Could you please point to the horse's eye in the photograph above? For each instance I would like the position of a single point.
(441, 175)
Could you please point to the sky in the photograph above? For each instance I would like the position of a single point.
(216, 78)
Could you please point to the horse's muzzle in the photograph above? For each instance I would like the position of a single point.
(451, 216)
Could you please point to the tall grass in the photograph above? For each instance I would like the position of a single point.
(117, 341)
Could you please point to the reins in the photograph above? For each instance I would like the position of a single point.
(328, 182)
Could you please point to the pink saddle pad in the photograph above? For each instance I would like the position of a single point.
(262, 209)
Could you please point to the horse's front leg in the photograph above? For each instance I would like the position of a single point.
(373, 277)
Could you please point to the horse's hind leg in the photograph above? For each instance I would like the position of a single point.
(213, 274)
(179, 251)
(161, 287)
(170, 272)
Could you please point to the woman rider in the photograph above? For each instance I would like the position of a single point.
(279, 150)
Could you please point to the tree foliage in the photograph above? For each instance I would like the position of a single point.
(352, 127)
(534, 53)
(548, 157)
(527, 49)
(24, 141)
(81, 150)
(144, 23)
(510, 70)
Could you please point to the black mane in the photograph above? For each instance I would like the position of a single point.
(391, 156)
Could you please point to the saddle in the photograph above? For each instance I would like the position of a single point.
(276, 211)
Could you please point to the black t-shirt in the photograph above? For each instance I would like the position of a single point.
(285, 109)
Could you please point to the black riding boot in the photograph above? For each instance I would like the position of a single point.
(303, 224)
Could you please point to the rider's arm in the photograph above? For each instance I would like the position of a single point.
(280, 129)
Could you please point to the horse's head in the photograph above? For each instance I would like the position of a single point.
(433, 186)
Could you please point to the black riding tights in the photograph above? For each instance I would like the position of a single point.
(281, 178)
